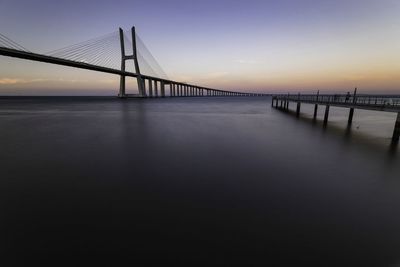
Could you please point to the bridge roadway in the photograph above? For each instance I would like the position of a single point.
(176, 88)
(387, 103)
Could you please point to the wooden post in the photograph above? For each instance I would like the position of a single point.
(326, 114)
(350, 120)
(298, 109)
(315, 111)
(396, 132)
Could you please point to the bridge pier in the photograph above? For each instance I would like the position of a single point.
(326, 115)
(162, 89)
(142, 87)
(155, 88)
(150, 88)
(396, 132)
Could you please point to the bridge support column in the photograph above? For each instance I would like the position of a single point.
(162, 89)
(155, 88)
(326, 115)
(315, 111)
(144, 93)
(122, 92)
(298, 109)
(350, 120)
(150, 88)
(396, 132)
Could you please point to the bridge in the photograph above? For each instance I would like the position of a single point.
(101, 54)
(387, 103)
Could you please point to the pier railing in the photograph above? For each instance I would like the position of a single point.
(388, 103)
(376, 102)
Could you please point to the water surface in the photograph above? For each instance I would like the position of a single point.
(195, 180)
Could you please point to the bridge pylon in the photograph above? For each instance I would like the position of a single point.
(124, 58)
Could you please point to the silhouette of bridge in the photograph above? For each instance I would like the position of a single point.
(109, 54)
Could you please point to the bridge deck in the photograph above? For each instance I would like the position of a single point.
(4, 51)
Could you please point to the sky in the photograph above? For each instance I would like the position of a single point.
(256, 46)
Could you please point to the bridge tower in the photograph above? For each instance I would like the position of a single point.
(124, 58)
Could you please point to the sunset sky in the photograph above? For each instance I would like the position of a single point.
(254, 45)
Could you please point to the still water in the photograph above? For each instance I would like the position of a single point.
(195, 180)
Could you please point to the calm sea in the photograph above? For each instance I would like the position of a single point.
(90, 181)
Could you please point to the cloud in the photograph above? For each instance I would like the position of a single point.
(8, 81)
(354, 77)
(243, 61)
(16, 81)
(217, 74)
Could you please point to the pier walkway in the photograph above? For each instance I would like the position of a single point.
(387, 103)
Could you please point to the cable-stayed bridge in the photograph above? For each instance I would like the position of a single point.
(109, 54)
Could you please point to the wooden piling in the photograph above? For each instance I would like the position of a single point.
(298, 109)
(326, 114)
(315, 111)
(396, 131)
(351, 113)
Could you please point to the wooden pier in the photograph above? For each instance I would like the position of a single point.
(387, 103)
